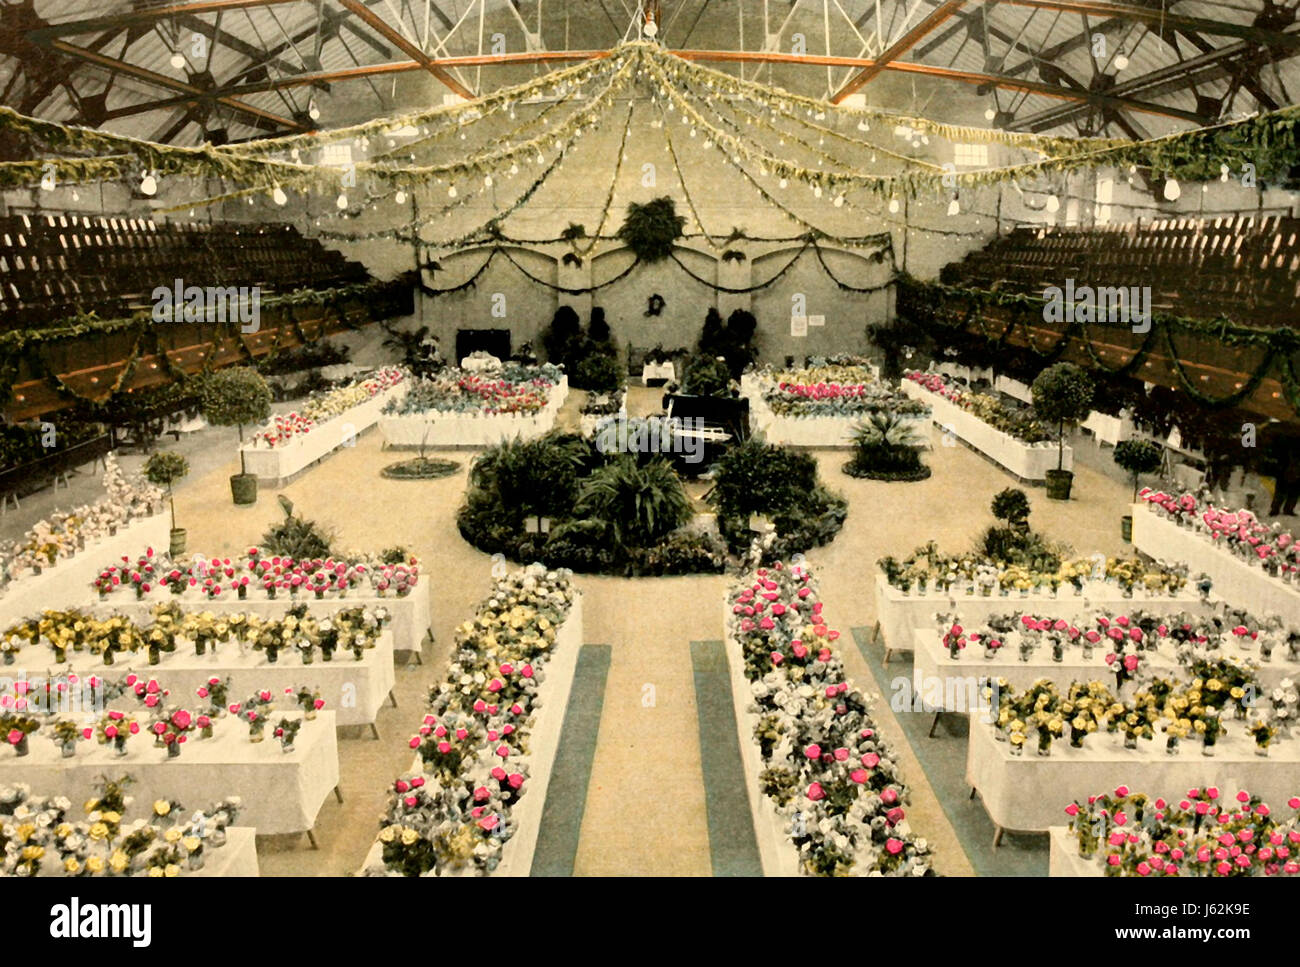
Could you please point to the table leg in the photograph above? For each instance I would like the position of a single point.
(374, 731)
(973, 790)
(997, 836)
(934, 725)
(887, 654)
(311, 838)
(392, 698)
(875, 634)
(338, 794)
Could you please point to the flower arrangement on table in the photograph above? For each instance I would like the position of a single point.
(35, 830)
(522, 390)
(1231, 632)
(259, 572)
(1215, 689)
(285, 428)
(64, 533)
(1022, 424)
(1240, 532)
(455, 815)
(841, 390)
(1202, 834)
(827, 768)
(928, 569)
(116, 637)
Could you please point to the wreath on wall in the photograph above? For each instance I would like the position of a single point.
(651, 230)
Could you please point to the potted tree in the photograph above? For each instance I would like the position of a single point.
(163, 469)
(1136, 457)
(1062, 395)
(234, 397)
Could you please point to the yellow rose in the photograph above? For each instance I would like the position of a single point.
(112, 816)
(155, 871)
(388, 834)
(191, 843)
(410, 837)
(118, 861)
(33, 852)
(162, 807)
(172, 870)
(174, 834)
(95, 864)
(71, 865)
(99, 831)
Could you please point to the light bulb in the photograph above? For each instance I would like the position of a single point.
(864, 126)
(313, 111)
(817, 191)
(514, 169)
(488, 181)
(1053, 204)
(451, 191)
(990, 114)
(400, 197)
(278, 196)
(178, 60)
(149, 185)
(341, 202)
(1121, 61)
(839, 201)
(893, 206)
(954, 207)
(651, 29)
(784, 183)
(1173, 190)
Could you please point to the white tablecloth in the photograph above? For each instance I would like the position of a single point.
(526, 816)
(282, 462)
(412, 614)
(68, 582)
(930, 663)
(1244, 585)
(480, 364)
(1110, 429)
(1014, 388)
(1064, 857)
(808, 431)
(664, 371)
(282, 791)
(441, 429)
(1026, 461)
(1029, 792)
(354, 690)
(902, 615)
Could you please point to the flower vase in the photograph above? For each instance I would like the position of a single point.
(1058, 651)
(1017, 748)
(1087, 652)
(195, 860)
(9, 657)
(1024, 592)
(286, 746)
(205, 732)
(119, 745)
(255, 734)
(309, 714)
(242, 592)
(990, 654)
(428, 765)
(986, 591)
(20, 747)
(272, 655)
(173, 749)
(320, 595)
(1044, 748)
(307, 656)
(200, 647)
(155, 656)
(1171, 745)
(1209, 745)
(1130, 740)
(1261, 750)
(326, 654)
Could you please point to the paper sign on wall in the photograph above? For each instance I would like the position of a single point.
(798, 325)
(816, 320)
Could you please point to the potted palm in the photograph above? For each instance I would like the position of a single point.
(235, 397)
(1062, 395)
(1136, 457)
(163, 469)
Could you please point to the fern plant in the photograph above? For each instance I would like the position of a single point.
(295, 536)
(639, 505)
(886, 447)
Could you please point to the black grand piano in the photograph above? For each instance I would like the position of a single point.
(717, 421)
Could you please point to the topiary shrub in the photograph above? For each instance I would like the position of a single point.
(886, 448)
(559, 337)
(598, 373)
(1012, 506)
(163, 469)
(598, 329)
(236, 397)
(1137, 457)
(1062, 395)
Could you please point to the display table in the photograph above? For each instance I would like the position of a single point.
(930, 662)
(412, 614)
(1110, 429)
(1064, 857)
(1014, 388)
(354, 690)
(278, 464)
(1029, 792)
(68, 582)
(237, 857)
(899, 616)
(664, 372)
(281, 791)
(776, 851)
(1245, 585)
(544, 740)
(812, 430)
(1027, 461)
(445, 429)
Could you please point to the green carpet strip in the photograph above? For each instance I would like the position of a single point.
(944, 760)
(566, 796)
(733, 847)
